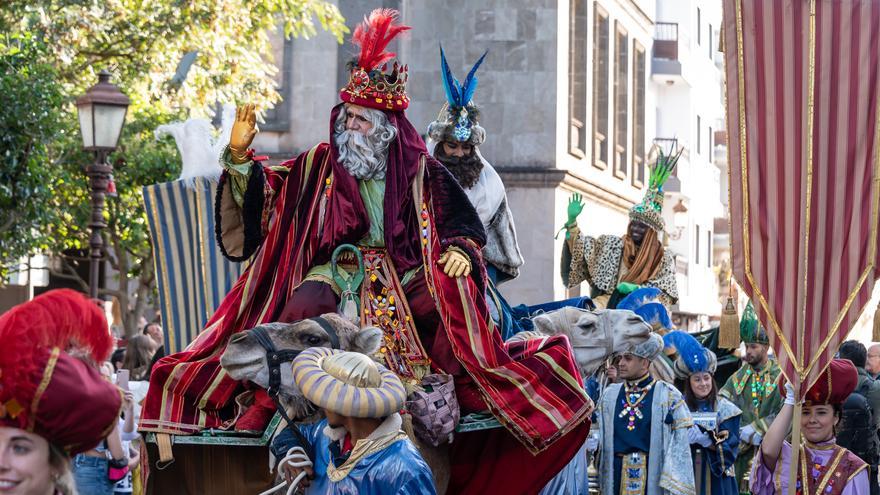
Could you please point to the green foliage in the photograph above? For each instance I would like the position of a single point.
(31, 119)
(52, 53)
(143, 42)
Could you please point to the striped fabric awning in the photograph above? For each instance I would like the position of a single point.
(193, 276)
(802, 116)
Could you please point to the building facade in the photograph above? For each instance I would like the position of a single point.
(571, 101)
(687, 72)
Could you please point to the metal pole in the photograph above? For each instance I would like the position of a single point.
(99, 178)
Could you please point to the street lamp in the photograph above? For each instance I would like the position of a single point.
(679, 220)
(101, 117)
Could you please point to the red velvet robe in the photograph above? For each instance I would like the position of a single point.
(536, 392)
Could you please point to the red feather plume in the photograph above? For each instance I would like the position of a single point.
(59, 318)
(373, 36)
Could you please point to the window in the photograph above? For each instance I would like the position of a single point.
(638, 146)
(698, 134)
(621, 81)
(711, 145)
(709, 248)
(277, 118)
(709, 34)
(697, 247)
(577, 79)
(601, 79)
(699, 26)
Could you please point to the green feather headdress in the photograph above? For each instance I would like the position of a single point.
(650, 210)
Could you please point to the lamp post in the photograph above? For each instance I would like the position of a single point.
(101, 117)
(679, 220)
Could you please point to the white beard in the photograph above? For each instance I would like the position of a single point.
(359, 156)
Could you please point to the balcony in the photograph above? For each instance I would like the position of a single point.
(666, 40)
(665, 64)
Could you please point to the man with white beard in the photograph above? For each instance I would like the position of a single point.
(373, 187)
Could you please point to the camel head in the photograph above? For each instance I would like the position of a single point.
(245, 359)
(594, 335)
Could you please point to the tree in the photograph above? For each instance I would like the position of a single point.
(149, 47)
(28, 150)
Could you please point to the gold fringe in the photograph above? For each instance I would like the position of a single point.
(407, 426)
(728, 332)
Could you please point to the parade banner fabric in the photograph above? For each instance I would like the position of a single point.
(802, 120)
(192, 275)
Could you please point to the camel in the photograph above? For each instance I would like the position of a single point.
(245, 359)
(594, 335)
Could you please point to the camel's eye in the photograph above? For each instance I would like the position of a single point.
(312, 340)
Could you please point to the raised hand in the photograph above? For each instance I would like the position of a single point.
(243, 131)
(575, 207)
(455, 264)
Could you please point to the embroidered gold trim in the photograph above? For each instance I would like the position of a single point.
(38, 395)
(634, 463)
(857, 471)
(832, 467)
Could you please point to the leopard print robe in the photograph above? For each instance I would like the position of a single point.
(597, 260)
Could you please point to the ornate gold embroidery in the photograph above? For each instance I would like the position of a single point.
(47, 376)
(634, 474)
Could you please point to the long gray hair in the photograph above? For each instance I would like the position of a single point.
(364, 155)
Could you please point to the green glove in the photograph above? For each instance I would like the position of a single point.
(625, 288)
(575, 207)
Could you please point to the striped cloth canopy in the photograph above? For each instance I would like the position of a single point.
(802, 117)
(193, 276)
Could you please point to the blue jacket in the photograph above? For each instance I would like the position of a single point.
(396, 469)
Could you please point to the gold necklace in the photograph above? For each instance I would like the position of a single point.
(633, 396)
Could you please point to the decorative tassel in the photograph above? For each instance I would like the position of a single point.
(407, 426)
(875, 335)
(728, 331)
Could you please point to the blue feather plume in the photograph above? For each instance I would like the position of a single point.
(692, 353)
(450, 83)
(470, 82)
(638, 298)
(654, 313)
(457, 94)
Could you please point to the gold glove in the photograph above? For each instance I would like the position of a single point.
(457, 263)
(243, 131)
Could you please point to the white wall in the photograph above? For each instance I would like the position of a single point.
(697, 92)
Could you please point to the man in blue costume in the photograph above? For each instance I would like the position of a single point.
(643, 430)
(359, 447)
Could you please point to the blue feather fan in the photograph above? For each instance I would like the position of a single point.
(654, 313)
(692, 353)
(638, 298)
